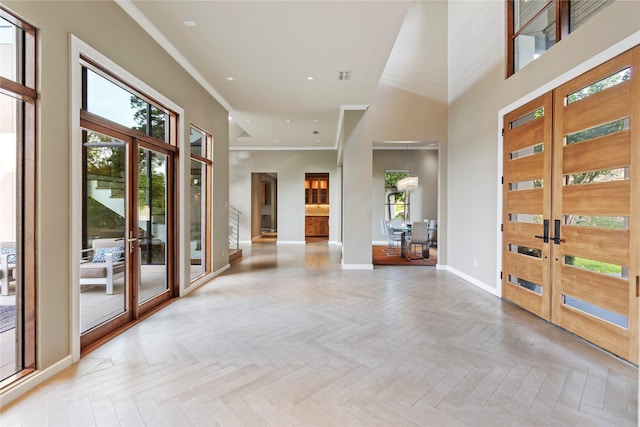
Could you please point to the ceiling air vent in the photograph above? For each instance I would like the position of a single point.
(344, 75)
(315, 132)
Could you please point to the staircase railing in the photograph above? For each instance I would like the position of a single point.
(234, 228)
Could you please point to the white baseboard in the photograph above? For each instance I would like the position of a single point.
(20, 387)
(474, 281)
(334, 242)
(441, 267)
(291, 242)
(357, 266)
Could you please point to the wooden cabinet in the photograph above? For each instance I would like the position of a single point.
(316, 226)
(316, 189)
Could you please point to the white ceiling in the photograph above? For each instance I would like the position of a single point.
(270, 48)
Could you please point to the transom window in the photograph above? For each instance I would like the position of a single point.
(111, 100)
(533, 26)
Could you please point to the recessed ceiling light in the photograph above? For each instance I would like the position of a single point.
(277, 140)
(189, 23)
(230, 78)
(310, 78)
(317, 140)
(315, 121)
(248, 121)
(290, 121)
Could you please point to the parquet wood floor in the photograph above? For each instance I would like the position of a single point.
(288, 338)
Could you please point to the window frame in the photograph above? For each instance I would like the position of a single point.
(562, 11)
(26, 191)
(204, 159)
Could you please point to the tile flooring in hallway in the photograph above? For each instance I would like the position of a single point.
(286, 337)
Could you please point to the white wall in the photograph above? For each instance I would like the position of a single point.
(290, 167)
(478, 89)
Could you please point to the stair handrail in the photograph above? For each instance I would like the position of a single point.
(234, 228)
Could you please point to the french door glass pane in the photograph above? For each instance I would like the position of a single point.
(103, 286)
(152, 223)
(198, 219)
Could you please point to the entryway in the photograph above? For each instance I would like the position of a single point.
(571, 205)
(316, 208)
(264, 205)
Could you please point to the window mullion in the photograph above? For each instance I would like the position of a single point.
(562, 19)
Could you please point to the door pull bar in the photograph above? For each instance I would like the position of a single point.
(545, 231)
(556, 231)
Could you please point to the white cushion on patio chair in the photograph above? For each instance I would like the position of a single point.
(95, 271)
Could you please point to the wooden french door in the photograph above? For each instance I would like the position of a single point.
(128, 204)
(527, 206)
(575, 259)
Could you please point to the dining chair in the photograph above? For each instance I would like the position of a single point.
(419, 237)
(392, 239)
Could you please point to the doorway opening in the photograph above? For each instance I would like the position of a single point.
(316, 199)
(264, 206)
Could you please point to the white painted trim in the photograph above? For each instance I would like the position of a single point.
(291, 242)
(474, 281)
(205, 279)
(598, 59)
(75, 219)
(379, 243)
(22, 386)
(343, 108)
(157, 35)
(357, 266)
(378, 148)
(334, 243)
(77, 48)
(442, 267)
(499, 208)
(312, 148)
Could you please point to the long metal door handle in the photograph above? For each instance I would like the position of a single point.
(556, 231)
(545, 231)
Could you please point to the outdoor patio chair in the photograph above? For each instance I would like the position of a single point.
(7, 266)
(102, 263)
